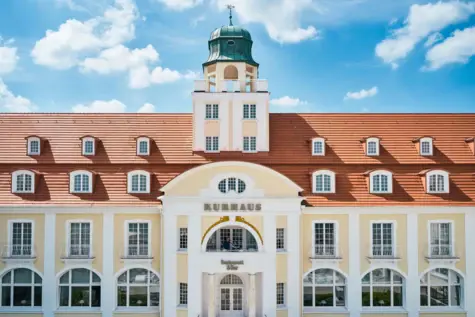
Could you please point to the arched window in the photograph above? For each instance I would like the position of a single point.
(80, 182)
(372, 146)
(381, 182)
(324, 182)
(437, 182)
(323, 288)
(232, 239)
(138, 288)
(138, 182)
(383, 287)
(441, 287)
(231, 279)
(232, 184)
(20, 287)
(23, 182)
(79, 288)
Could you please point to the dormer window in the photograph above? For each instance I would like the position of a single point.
(425, 146)
(88, 146)
(372, 146)
(437, 182)
(33, 145)
(80, 182)
(143, 146)
(380, 182)
(318, 146)
(138, 182)
(232, 184)
(323, 182)
(23, 182)
(471, 144)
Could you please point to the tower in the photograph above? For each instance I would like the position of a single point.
(231, 103)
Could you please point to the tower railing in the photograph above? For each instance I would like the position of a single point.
(234, 86)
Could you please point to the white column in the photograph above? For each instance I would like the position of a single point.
(269, 276)
(49, 276)
(212, 295)
(252, 295)
(470, 263)
(354, 278)
(169, 285)
(107, 289)
(412, 282)
(294, 277)
(194, 268)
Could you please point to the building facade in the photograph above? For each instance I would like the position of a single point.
(232, 211)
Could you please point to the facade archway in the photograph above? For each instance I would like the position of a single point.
(231, 73)
(242, 235)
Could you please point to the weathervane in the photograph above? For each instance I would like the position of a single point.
(230, 7)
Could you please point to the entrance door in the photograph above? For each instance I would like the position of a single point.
(231, 302)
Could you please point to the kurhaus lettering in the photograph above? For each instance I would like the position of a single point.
(232, 207)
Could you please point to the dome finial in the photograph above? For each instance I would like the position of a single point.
(230, 7)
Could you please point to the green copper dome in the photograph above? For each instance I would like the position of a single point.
(230, 44)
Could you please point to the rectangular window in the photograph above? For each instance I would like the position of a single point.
(79, 239)
(22, 239)
(249, 111)
(138, 233)
(183, 294)
(318, 148)
(441, 239)
(324, 239)
(88, 147)
(183, 239)
(212, 112)
(249, 144)
(425, 148)
(280, 239)
(212, 144)
(34, 147)
(372, 150)
(280, 294)
(143, 147)
(382, 240)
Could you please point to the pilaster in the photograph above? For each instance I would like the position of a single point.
(194, 273)
(470, 263)
(269, 276)
(252, 295)
(212, 295)
(354, 278)
(49, 276)
(169, 285)
(412, 281)
(293, 265)
(107, 296)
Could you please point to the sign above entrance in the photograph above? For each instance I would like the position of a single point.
(232, 207)
(232, 265)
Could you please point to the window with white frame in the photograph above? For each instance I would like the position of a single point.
(324, 288)
(88, 146)
(382, 239)
(80, 182)
(372, 146)
(318, 146)
(21, 239)
(138, 287)
(437, 182)
(381, 182)
(441, 242)
(183, 296)
(441, 287)
(183, 239)
(79, 288)
(23, 182)
(232, 184)
(143, 146)
(426, 146)
(138, 182)
(34, 146)
(382, 288)
(232, 239)
(280, 239)
(212, 144)
(212, 112)
(79, 239)
(249, 111)
(249, 144)
(325, 235)
(20, 287)
(324, 182)
(280, 294)
(138, 239)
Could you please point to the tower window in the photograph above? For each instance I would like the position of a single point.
(212, 144)
(231, 43)
(212, 112)
(249, 111)
(249, 144)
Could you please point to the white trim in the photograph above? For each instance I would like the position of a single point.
(138, 173)
(315, 308)
(449, 284)
(126, 235)
(15, 175)
(143, 139)
(332, 182)
(68, 235)
(49, 265)
(108, 257)
(354, 302)
(373, 139)
(393, 233)
(315, 140)
(391, 284)
(89, 139)
(412, 281)
(72, 182)
(68, 270)
(284, 249)
(335, 235)
(250, 150)
(452, 234)
(32, 139)
(179, 249)
(212, 144)
(10, 234)
(431, 146)
(445, 175)
(135, 309)
(388, 174)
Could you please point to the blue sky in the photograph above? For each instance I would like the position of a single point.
(318, 55)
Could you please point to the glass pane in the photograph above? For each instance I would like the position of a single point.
(455, 295)
(138, 276)
(122, 296)
(397, 296)
(154, 295)
(307, 296)
(340, 295)
(37, 279)
(95, 278)
(439, 277)
(324, 296)
(122, 278)
(397, 278)
(95, 296)
(21, 296)
(339, 279)
(138, 296)
(424, 296)
(6, 296)
(38, 296)
(80, 296)
(366, 296)
(308, 279)
(22, 276)
(324, 276)
(64, 278)
(382, 276)
(64, 296)
(439, 296)
(366, 279)
(7, 278)
(381, 296)
(154, 279)
(80, 276)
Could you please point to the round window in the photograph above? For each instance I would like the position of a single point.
(230, 42)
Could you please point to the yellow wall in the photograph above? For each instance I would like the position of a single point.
(249, 128)
(383, 315)
(401, 238)
(281, 221)
(76, 314)
(22, 314)
(326, 314)
(211, 127)
(282, 313)
(38, 240)
(459, 233)
(281, 268)
(135, 314)
(182, 313)
(182, 222)
(442, 314)
(182, 268)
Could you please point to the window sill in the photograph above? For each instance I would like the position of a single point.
(336, 310)
(281, 251)
(182, 251)
(182, 307)
(78, 310)
(21, 310)
(442, 310)
(385, 310)
(137, 310)
(282, 307)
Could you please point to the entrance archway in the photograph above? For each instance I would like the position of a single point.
(231, 295)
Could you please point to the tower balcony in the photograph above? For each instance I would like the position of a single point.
(237, 86)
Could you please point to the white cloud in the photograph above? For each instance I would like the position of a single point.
(142, 77)
(421, 21)
(363, 93)
(180, 5)
(100, 106)
(146, 108)
(8, 59)
(458, 48)
(433, 38)
(11, 103)
(281, 18)
(70, 4)
(287, 101)
(64, 48)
